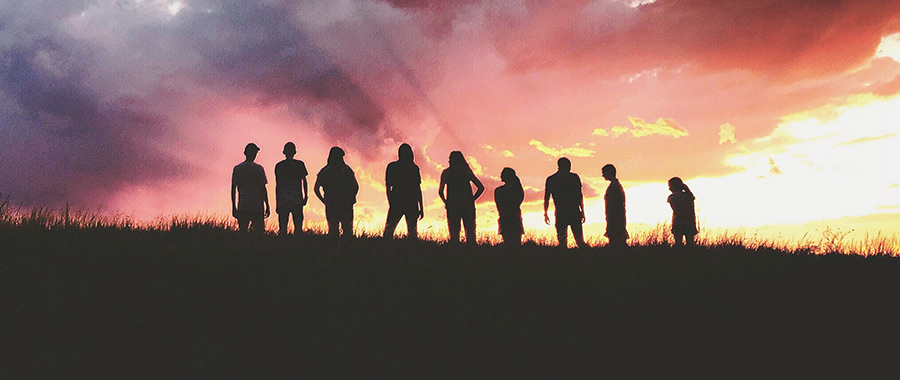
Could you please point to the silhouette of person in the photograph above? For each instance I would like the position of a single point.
(403, 184)
(508, 198)
(684, 221)
(248, 187)
(615, 208)
(336, 187)
(456, 193)
(568, 201)
(291, 190)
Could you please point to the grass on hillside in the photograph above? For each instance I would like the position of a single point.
(188, 297)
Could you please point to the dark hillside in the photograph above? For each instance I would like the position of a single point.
(213, 303)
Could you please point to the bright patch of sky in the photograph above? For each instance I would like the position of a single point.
(890, 47)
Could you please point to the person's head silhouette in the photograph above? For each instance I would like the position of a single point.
(564, 165)
(336, 156)
(405, 153)
(250, 151)
(289, 150)
(508, 175)
(676, 185)
(609, 172)
(457, 160)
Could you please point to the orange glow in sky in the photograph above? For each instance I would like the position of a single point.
(783, 124)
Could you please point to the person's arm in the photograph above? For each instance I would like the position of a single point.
(479, 187)
(581, 200)
(355, 184)
(317, 188)
(266, 200)
(387, 184)
(305, 192)
(546, 200)
(265, 192)
(233, 196)
(497, 204)
(441, 189)
(420, 203)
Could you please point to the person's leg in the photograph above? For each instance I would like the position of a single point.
(689, 240)
(513, 239)
(453, 219)
(243, 220)
(258, 223)
(390, 225)
(562, 234)
(469, 222)
(412, 222)
(283, 222)
(297, 215)
(333, 222)
(678, 238)
(347, 222)
(578, 234)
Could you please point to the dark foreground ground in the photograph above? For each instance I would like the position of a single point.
(209, 303)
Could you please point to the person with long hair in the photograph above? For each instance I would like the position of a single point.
(508, 198)
(456, 193)
(336, 187)
(403, 185)
(684, 220)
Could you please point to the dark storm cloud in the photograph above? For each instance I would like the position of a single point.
(60, 141)
(255, 50)
(81, 120)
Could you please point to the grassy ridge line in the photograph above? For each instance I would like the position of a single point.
(202, 301)
(831, 241)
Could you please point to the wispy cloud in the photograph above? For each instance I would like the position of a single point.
(726, 134)
(574, 151)
(641, 128)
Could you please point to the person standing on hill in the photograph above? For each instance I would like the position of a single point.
(508, 199)
(336, 187)
(615, 208)
(248, 188)
(456, 193)
(565, 189)
(403, 184)
(291, 190)
(684, 221)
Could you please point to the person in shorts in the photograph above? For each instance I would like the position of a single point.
(249, 197)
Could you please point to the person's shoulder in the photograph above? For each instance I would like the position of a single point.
(392, 165)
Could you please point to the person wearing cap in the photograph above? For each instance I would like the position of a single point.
(336, 187)
(291, 191)
(248, 187)
(403, 184)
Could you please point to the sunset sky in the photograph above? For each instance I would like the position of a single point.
(782, 116)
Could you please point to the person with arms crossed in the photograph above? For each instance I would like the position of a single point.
(508, 199)
(336, 187)
(615, 208)
(684, 220)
